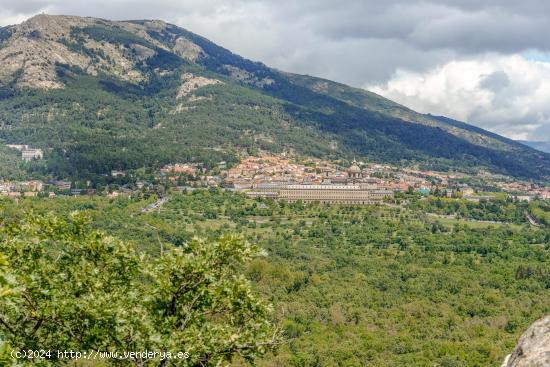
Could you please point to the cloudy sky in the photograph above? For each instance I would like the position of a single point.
(486, 62)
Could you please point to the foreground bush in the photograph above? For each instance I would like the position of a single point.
(64, 286)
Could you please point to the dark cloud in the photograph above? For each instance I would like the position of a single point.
(469, 27)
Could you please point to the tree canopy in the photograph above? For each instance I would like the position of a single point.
(66, 286)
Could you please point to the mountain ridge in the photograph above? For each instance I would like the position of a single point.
(131, 74)
(543, 146)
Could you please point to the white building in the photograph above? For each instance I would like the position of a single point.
(30, 154)
(344, 194)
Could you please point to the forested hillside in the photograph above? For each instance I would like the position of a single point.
(97, 95)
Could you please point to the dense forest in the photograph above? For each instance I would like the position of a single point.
(354, 285)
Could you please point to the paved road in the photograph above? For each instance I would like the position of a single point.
(157, 204)
(531, 219)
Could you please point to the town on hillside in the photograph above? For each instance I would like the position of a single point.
(289, 178)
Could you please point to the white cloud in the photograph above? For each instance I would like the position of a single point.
(504, 94)
(8, 17)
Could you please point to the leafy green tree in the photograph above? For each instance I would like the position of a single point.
(65, 286)
(200, 300)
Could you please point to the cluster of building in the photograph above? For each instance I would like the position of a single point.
(173, 170)
(318, 180)
(307, 180)
(279, 177)
(268, 168)
(32, 188)
(194, 172)
(264, 169)
(27, 153)
(527, 191)
(15, 189)
(323, 185)
(323, 193)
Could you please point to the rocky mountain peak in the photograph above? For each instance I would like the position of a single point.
(49, 26)
(30, 51)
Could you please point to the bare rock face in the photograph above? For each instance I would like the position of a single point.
(30, 54)
(246, 77)
(533, 349)
(192, 82)
(187, 49)
(30, 51)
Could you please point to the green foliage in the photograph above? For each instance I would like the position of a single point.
(199, 298)
(502, 210)
(76, 287)
(118, 36)
(541, 211)
(107, 33)
(12, 167)
(358, 285)
(67, 287)
(78, 47)
(7, 288)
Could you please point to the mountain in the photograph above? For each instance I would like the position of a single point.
(543, 146)
(99, 95)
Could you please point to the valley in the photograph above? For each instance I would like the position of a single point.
(159, 192)
(402, 287)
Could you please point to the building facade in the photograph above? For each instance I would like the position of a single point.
(342, 194)
(354, 172)
(30, 154)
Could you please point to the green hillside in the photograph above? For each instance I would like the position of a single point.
(116, 102)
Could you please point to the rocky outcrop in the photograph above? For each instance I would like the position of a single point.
(193, 82)
(187, 49)
(246, 77)
(28, 57)
(533, 349)
(30, 51)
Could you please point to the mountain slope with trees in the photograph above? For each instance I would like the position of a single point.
(101, 95)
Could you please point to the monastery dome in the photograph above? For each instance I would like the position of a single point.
(354, 167)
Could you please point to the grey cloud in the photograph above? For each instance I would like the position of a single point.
(542, 133)
(26, 7)
(495, 81)
(436, 25)
(462, 25)
(483, 31)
